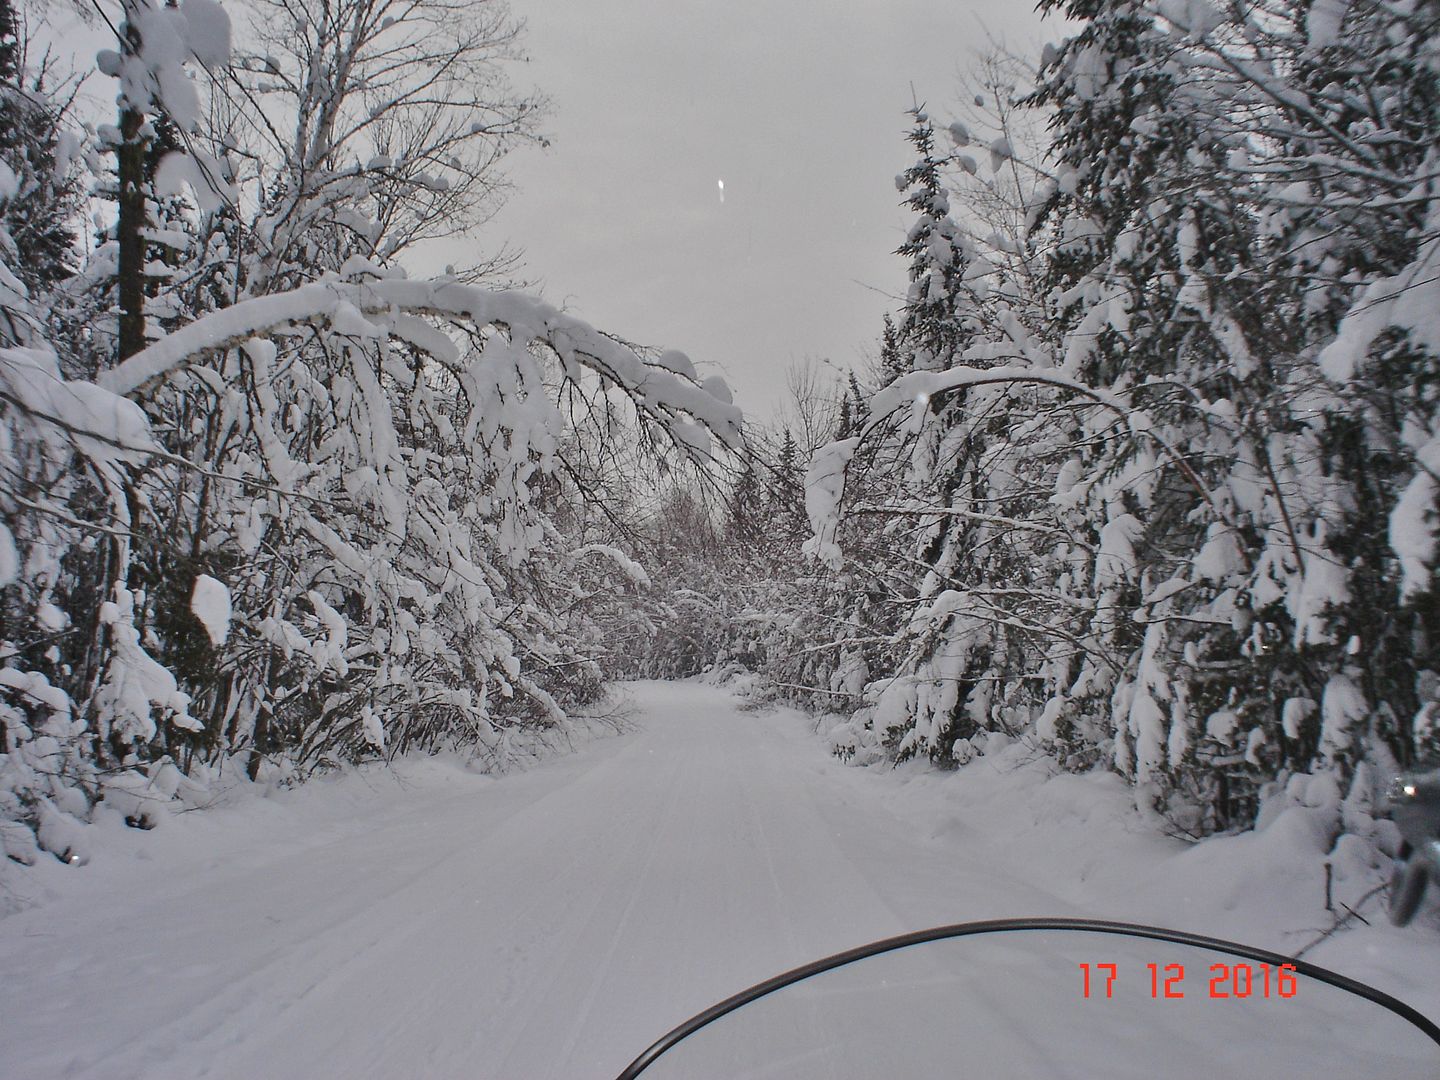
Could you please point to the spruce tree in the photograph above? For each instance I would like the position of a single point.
(933, 325)
(957, 659)
(37, 242)
(893, 363)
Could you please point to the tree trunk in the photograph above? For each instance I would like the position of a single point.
(129, 233)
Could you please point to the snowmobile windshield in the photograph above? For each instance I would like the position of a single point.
(1056, 998)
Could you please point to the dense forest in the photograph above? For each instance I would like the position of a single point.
(1145, 471)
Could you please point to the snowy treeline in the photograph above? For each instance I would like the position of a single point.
(268, 504)
(1163, 458)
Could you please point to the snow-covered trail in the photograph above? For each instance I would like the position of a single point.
(550, 924)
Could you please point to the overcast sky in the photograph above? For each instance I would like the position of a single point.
(798, 106)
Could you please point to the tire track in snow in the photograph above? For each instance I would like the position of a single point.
(259, 989)
(638, 882)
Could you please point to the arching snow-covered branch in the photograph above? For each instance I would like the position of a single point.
(376, 308)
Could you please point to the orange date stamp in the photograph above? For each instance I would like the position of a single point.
(1167, 981)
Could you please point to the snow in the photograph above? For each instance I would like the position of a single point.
(210, 603)
(328, 651)
(1406, 300)
(9, 556)
(1194, 17)
(346, 319)
(1342, 708)
(1220, 556)
(1000, 152)
(207, 32)
(627, 566)
(203, 174)
(676, 361)
(1294, 713)
(1324, 586)
(153, 76)
(1221, 726)
(1147, 725)
(717, 388)
(437, 922)
(1323, 21)
(389, 521)
(36, 688)
(373, 728)
(105, 425)
(136, 686)
(824, 485)
(107, 62)
(1415, 522)
(1115, 558)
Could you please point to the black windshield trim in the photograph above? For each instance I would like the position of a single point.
(1000, 926)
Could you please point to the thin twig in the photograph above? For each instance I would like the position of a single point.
(1341, 921)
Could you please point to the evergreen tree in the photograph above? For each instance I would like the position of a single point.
(933, 326)
(1159, 236)
(1191, 257)
(893, 363)
(745, 521)
(859, 409)
(787, 490)
(38, 199)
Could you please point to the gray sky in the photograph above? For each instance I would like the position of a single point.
(797, 105)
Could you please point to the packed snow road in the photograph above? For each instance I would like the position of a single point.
(548, 924)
